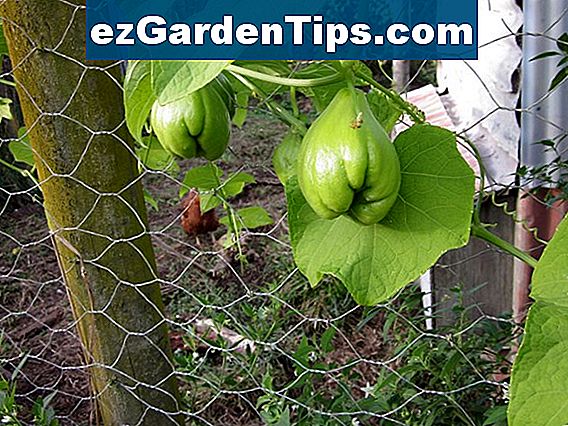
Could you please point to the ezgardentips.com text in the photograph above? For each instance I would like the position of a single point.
(313, 30)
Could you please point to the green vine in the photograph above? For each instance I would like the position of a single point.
(274, 107)
(479, 230)
(413, 112)
(233, 226)
(285, 81)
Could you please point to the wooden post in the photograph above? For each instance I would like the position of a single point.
(400, 74)
(95, 208)
(484, 273)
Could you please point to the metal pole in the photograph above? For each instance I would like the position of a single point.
(544, 117)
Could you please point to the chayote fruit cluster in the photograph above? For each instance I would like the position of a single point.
(347, 163)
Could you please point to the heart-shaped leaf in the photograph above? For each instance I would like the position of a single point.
(539, 383)
(431, 216)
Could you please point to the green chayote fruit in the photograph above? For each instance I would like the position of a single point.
(197, 125)
(347, 164)
(286, 155)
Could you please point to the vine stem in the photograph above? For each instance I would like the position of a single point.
(480, 231)
(274, 107)
(294, 102)
(482, 172)
(233, 226)
(285, 81)
(23, 172)
(7, 83)
(13, 168)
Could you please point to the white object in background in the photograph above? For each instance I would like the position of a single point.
(427, 299)
(482, 94)
(429, 102)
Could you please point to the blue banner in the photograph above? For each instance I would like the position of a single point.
(291, 29)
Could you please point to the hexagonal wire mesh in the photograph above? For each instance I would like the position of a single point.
(252, 342)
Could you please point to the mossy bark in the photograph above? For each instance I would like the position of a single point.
(95, 209)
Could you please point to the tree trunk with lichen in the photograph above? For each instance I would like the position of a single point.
(95, 209)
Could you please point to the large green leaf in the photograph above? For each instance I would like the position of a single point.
(539, 383)
(173, 80)
(550, 279)
(432, 215)
(560, 77)
(138, 96)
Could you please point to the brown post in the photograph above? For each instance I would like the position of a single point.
(401, 74)
(95, 208)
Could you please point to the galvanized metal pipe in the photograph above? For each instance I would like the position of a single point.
(544, 115)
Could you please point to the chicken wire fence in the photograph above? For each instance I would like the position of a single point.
(252, 342)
